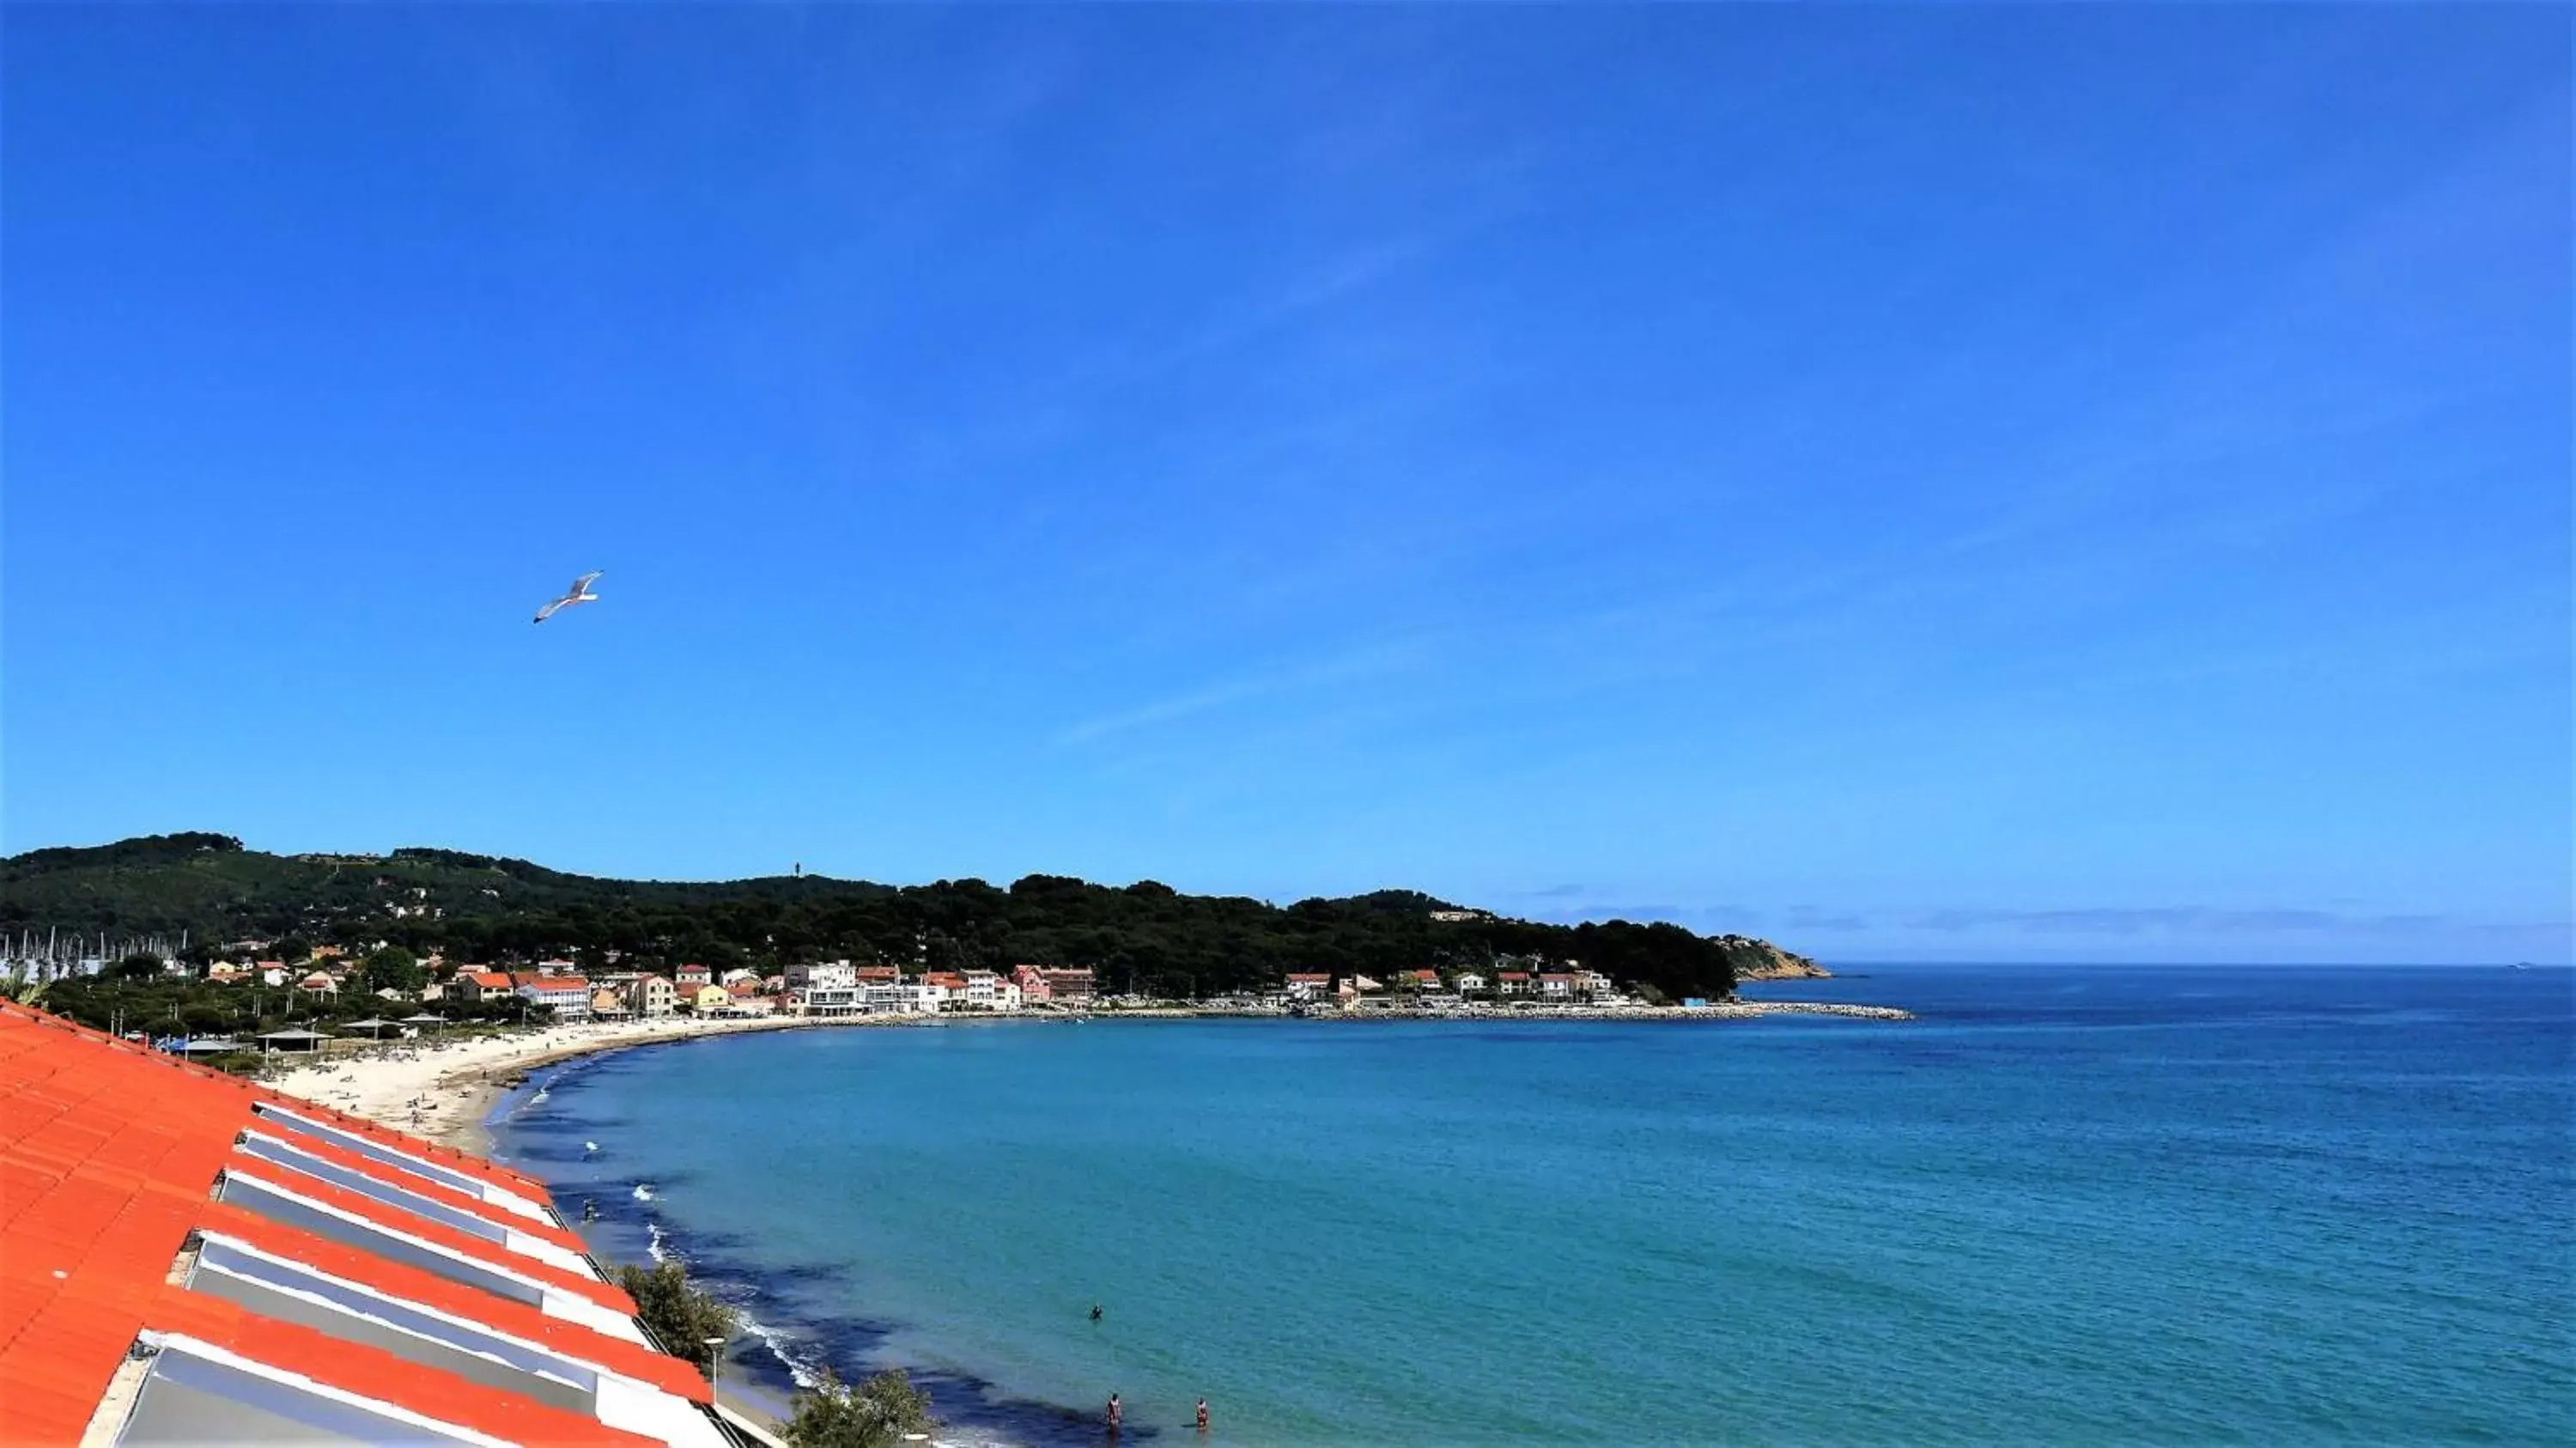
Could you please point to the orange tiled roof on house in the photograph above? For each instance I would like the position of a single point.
(153, 1214)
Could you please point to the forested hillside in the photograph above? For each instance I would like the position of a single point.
(1145, 935)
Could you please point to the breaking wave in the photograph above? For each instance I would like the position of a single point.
(802, 1361)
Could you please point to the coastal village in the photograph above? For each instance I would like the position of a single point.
(243, 1004)
(561, 991)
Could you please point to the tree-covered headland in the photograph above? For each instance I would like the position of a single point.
(1144, 938)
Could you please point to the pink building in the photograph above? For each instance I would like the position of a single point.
(1071, 986)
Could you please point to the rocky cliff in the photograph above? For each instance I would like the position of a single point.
(1761, 960)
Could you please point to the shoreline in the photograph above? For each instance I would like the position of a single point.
(446, 1091)
(461, 1093)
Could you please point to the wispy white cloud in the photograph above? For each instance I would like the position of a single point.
(1368, 660)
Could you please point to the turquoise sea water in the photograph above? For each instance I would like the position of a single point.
(2069, 1205)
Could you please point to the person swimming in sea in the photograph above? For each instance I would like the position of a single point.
(1095, 1312)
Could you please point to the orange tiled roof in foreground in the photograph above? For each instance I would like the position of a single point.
(110, 1156)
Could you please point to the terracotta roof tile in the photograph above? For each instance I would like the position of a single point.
(411, 1224)
(372, 1372)
(413, 1284)
(108, 1153)
(395, 1177)
(428, 1151)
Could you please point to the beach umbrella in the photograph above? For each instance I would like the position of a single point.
(371, 1026)
(292, 1041)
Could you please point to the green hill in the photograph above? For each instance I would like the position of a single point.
(1143, 936)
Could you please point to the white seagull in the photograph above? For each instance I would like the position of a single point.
(580, 594)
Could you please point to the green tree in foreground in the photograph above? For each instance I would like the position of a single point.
(875, 1414)
(683, 1316)
(393, 967)
(141, 965)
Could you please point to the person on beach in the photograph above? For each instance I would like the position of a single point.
(1116, 1413)
(1202, 1415)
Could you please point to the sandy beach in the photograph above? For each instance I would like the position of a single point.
(444, 1090)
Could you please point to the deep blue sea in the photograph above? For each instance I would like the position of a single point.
(2068, 1205)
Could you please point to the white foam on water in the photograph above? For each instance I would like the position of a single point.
(643, 1191)
(653, 1247)
(805, 1369)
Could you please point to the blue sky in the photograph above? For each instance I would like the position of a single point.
(1996, 482)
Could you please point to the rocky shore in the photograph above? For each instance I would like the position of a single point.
(1761, 960)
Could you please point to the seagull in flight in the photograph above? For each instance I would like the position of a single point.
(580, 594)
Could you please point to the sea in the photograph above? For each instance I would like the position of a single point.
(2067, 1205)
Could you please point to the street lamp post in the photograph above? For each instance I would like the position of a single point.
(715, 1361)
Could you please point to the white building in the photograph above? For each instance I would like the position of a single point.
(568, 994)
(828, 1000)
(831, 975)
(1469, 983)
(898, 998)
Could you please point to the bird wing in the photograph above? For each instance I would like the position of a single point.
(582, 584)
(548, 611)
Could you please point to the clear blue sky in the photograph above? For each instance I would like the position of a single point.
(2000, 482)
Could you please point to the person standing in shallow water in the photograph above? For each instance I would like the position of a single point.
(1202, 1415)
(1115, 1414)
